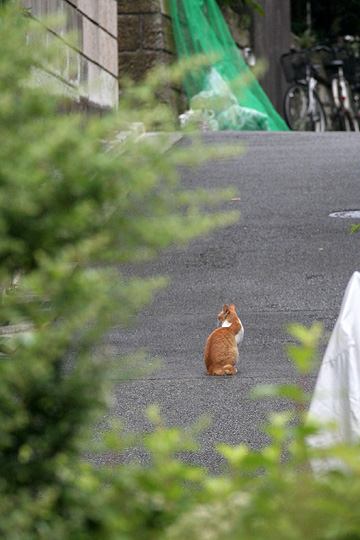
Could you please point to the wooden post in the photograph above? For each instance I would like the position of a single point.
(272, 38)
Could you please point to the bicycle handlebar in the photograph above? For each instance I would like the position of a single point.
(315, 48)
(319, 48)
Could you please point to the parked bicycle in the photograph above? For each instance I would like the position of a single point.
(352, 71)
(303, 108)
(340, 72)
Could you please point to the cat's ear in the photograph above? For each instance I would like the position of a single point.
(232, 307)
(225, 308)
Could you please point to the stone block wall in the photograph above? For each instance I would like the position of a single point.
(145, 40)
(145, 36)
(90, 63)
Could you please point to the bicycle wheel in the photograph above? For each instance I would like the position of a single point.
(348, 122)
(296, 110)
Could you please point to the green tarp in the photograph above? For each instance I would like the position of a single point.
(200, 29)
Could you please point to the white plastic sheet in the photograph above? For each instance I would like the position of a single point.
(336, 399)
(216, 108)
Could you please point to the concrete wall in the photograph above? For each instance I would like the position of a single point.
(91, 60)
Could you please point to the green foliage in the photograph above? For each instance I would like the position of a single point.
(74, 204)
(306, 39)
(328, 19)
(355, 228)
(303, 354)
(240, 5)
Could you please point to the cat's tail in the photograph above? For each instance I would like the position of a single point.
(226, 370)
(229, 370)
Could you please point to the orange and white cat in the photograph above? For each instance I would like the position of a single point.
(221, 350)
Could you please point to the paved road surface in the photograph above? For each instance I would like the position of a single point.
(285, 260)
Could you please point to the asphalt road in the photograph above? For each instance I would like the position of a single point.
(285, 260)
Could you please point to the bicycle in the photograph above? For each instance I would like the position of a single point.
(340, 71)
(303, 110)
(352, 72)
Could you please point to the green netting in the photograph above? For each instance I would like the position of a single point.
(200, 29)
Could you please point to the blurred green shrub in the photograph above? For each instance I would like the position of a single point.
(355, 228)
(74, 204)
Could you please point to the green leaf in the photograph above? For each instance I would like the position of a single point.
(235, 455)
(354, 228)
(288, 391)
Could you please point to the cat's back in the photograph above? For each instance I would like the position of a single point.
(222, 334)
(220, 341)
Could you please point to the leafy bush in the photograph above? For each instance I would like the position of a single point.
(74, 204)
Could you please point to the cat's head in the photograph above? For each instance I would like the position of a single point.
(227, 313)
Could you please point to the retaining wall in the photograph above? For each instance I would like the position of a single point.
(90, 64)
